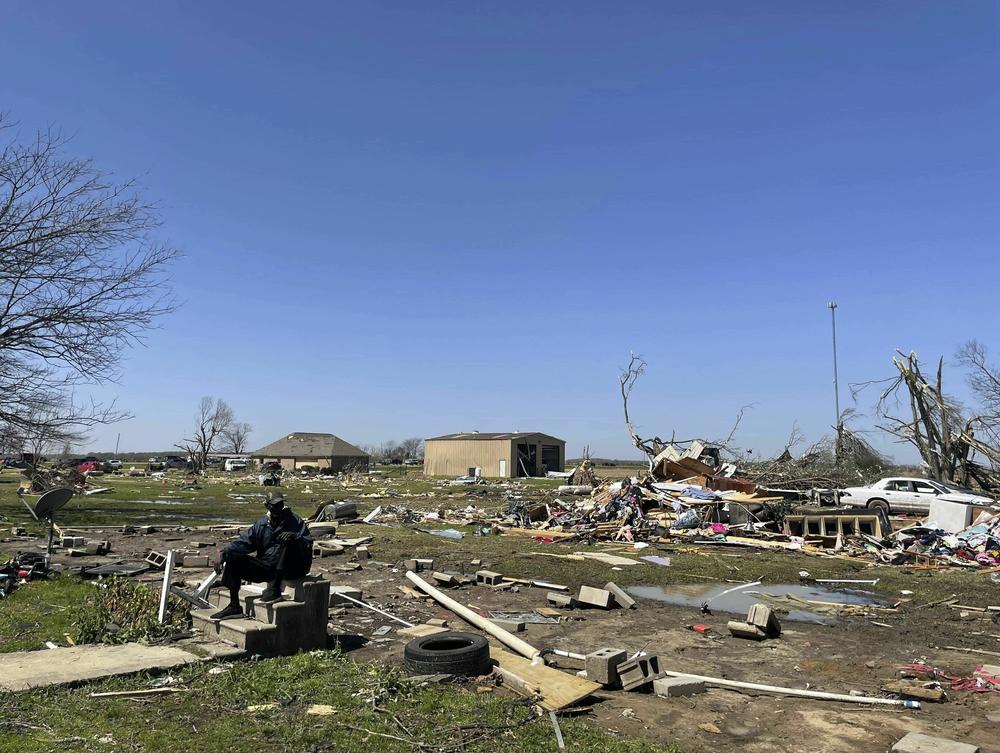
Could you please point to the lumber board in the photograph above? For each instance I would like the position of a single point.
(552, 688)
(418, 631)
(536, 532)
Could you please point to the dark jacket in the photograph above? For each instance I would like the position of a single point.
(261, 540)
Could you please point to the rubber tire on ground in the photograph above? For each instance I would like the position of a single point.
(448, 653)
(880, 504)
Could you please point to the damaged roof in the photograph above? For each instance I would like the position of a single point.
(305, 444)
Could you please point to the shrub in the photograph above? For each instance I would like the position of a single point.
(120, 611)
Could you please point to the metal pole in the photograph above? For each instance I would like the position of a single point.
(117, 441)
(836, 384)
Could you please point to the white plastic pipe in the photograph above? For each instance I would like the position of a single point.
(510, 640)
(797, 692)
(375, 609)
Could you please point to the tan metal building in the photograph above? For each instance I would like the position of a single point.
(496, 454)
(318, 450)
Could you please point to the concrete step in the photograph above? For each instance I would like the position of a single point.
(250, 635)
(311, 590)
(291, 614)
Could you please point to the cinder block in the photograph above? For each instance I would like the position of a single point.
(437, 622)
(914, 742)
(560, 600)
(417, 564)
(73, 542)
(156, 559)
(762, 617)
(195, 560)
(637, 673)
(744, 630)
(602, 666)
(338, 592)
(674, 687)
(94, 548)
(361, 552)
(623, 599)
(595, 597)
(488, 577)
(444, 579)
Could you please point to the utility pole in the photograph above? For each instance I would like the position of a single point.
(836, 384)
(117, 441)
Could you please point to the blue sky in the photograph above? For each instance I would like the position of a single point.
(406, 219)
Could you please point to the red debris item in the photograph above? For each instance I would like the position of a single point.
(980, 682)
(700, 628)
(543, 539)
(23, 573)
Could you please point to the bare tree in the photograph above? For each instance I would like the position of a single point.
(81, 280)
(411, 448)
(213, 418)
(982, 377)
(653, 446)
(626, 380)
(41, 435)
(236, 435)
(915, 409)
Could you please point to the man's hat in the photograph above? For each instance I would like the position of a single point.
(274, 500)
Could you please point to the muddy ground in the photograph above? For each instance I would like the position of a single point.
(853, 654)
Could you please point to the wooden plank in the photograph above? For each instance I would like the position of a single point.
(536, 532)
(419, 631)
(608, 559)
(552, 689)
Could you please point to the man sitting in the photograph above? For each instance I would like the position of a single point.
(276, 547)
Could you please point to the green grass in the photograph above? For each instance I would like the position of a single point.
(377, 709)
(41, 611)
(152, 501)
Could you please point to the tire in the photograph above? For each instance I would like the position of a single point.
(448, 653)
(878, 504)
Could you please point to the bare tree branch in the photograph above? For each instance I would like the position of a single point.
(236, 436)
(81, 280)
(213, 419)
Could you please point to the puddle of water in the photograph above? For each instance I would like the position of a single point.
(738, 602)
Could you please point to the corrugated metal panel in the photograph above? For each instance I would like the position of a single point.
(454, 457)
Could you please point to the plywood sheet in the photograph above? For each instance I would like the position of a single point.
(552, 688)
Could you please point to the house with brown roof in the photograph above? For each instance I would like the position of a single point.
(302, 448)
(496, 454)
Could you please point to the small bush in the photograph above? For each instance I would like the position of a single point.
(121, 611)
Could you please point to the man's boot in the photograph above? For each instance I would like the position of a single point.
(273, 591)
(233, 610)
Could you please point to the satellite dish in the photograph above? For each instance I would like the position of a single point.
(46, 507)
(51, 501)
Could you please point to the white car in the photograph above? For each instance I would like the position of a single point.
(235, 464)
(904, 494)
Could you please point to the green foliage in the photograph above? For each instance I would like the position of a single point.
(120, 611)
(39, 611)
(779, 510)
(376, 708)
